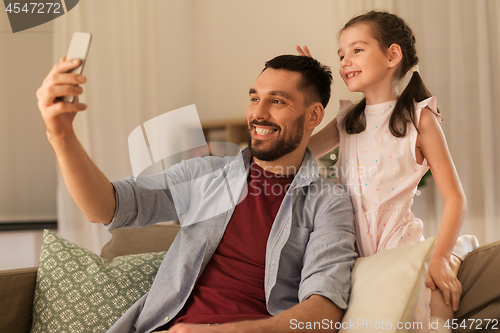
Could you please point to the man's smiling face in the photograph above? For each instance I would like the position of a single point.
(276, 114)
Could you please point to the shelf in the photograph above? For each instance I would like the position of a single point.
(230, 130)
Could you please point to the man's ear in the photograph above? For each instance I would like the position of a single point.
(395, 55)
(316, 114)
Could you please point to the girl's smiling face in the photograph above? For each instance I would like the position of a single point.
(364, 65)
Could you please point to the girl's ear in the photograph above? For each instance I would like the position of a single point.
(395, 55)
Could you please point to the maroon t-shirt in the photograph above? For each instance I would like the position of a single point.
(231, 288)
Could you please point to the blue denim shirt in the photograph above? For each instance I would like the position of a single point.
(310, 249)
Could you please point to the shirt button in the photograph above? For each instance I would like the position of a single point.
(272, 264)
(192, 286)
(166, 319)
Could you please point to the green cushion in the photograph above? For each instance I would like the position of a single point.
(78, 291)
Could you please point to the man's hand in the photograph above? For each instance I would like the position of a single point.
(58, 116)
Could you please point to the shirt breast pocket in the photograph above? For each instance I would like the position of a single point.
(292, 256)
(299, 235)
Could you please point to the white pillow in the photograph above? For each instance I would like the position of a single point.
(385, 288)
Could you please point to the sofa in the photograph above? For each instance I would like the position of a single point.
(404, 270)
(17, 287)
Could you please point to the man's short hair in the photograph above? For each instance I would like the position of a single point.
(316, 83)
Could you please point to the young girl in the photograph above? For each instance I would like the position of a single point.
(388, 141)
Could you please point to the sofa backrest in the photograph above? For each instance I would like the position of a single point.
(153, 238)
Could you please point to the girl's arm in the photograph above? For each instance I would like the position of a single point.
(325, 140)
(328, 138)
(432, 144)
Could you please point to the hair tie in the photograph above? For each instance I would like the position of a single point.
(415, 69)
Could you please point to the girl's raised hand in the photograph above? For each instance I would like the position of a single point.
(303, 51)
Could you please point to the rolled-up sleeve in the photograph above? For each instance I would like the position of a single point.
(147, 199)
(164, 196)
(330, 253)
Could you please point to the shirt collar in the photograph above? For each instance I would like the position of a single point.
(308, 171)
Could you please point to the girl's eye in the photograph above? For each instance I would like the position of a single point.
(357, 50)
(341, 58)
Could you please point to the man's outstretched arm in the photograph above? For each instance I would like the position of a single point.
(316, 309)
(88, 186)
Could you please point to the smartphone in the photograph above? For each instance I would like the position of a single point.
(79, 48)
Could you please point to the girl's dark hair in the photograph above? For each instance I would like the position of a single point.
(390, 29)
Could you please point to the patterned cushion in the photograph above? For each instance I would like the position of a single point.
(78, 291)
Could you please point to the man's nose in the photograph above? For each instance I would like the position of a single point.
(261, 111)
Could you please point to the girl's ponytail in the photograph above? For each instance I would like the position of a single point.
(354, 121)
(404, 110)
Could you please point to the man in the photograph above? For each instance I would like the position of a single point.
(256, 266)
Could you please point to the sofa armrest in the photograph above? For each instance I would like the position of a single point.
(17, 289)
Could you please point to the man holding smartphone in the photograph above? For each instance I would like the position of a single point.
(270, 260)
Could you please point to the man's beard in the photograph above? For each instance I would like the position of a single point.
(285, 144)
